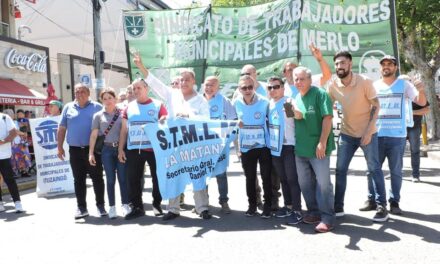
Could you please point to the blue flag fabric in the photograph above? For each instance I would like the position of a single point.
(190, 152)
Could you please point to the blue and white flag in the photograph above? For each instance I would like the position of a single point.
(190, 152)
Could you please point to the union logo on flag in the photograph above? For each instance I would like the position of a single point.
(134, 25)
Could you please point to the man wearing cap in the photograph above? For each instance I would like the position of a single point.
(393, 94)
(76, 126)
(55, 108)
(360, 105)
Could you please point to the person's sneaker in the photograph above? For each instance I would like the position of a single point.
(2, 207)
(283, 212)
(18, 207)
(323, 228)
(267, 212)
(81, 213)
(135, 213)
(295, 218)
(101, 211)
(205, 215)
(126, 209)
(225, 208)
(415, 179)
(251, 211)
(157, 210)
(381, 214)
(311, 219)
(395, 209)
(369, 205)
(339, 212)
(170, 216)
(112, 212)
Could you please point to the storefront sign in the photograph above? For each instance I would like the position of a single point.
(31, 62)
(21, 101)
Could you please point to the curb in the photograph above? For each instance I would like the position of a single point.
(22, 186)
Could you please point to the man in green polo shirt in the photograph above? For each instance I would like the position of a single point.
(314, 144)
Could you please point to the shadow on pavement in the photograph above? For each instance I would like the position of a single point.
(236, 221)
(9, 215)
(357, 228)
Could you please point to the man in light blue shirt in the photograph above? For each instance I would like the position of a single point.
(76, 121)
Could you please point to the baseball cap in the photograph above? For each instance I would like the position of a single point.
(57, 103)
(390, 58)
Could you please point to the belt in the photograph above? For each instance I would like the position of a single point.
(77, 147)
(111, 144)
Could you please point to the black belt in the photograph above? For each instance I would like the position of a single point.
(75, 147)
(111, 144)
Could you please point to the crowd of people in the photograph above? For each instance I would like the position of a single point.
(285, 126)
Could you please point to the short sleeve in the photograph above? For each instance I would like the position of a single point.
(326, 105)
(9, 123)
(162, 111)
(411, 91)
(96, 120)
(370, 92)
(124, 113)
(63, 121)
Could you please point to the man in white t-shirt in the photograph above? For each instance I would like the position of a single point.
(185, 103)
(8, 131)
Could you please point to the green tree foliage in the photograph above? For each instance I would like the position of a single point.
(418, 25)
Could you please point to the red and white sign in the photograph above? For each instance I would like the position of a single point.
(7, 100)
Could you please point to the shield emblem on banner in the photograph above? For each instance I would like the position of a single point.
(134, 25)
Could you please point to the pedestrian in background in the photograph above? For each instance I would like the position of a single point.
(8, 131)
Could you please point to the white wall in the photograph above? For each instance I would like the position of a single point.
(67, 27)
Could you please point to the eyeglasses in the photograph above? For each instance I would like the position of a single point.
(273, 87)
(244, 73)
(249, 87)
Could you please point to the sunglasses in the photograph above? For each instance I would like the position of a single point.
(249, 87)
(273, 87)
(244, 73)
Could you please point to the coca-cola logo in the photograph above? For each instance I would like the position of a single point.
(32, 62)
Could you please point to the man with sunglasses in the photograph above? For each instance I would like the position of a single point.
(220, 108)
(252, 110)
(185, 103)
(282, 148)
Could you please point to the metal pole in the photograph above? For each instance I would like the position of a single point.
(99, 54)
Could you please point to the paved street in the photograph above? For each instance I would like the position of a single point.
(47, 233)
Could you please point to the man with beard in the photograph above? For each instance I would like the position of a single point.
(360, 108)
(393, 96)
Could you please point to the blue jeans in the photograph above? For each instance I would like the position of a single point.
(346, 149)
(414, 143)
(391, 148)
(222, 183)
(109, 158)
(316, 186)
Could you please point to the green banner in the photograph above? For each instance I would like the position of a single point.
(220, 41)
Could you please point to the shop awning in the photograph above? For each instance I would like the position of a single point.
(15, 93)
